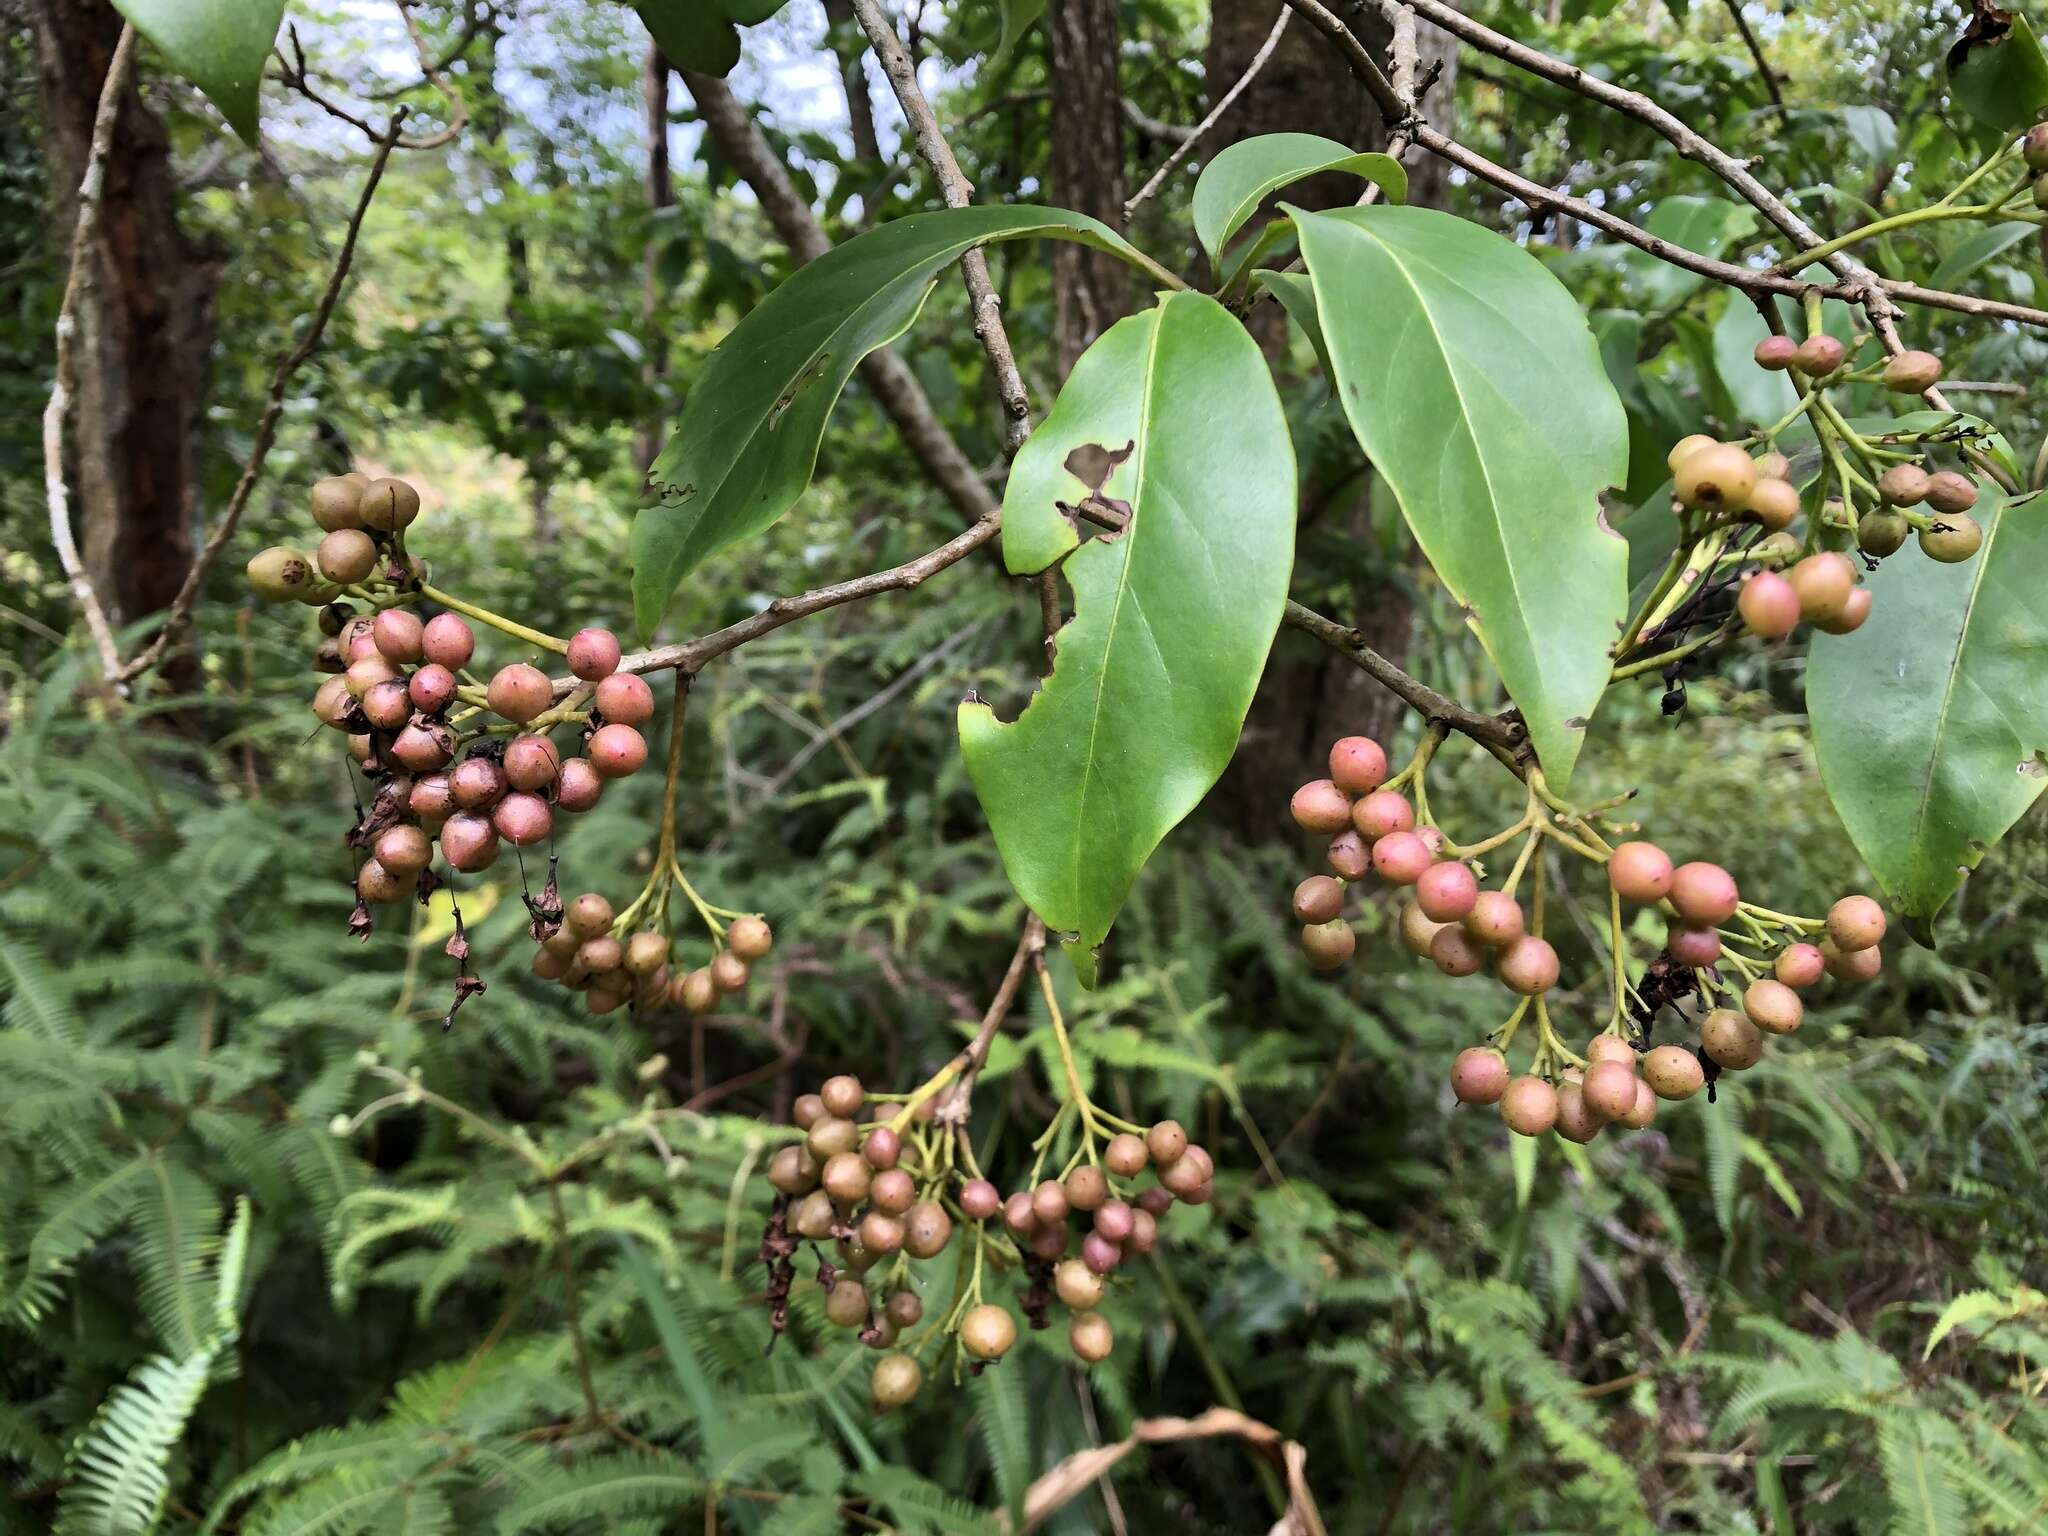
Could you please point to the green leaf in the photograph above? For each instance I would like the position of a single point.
(1872, 131)
(1706, 226)
(748, 438)
(1999, 75)
(692, 34)
(1522, 1151)
(1231, 186)
(1928, 724)
(221, 46)
(1721, 1125)
(1473, 384)
(1173, 616)
(1969, 1307)
(1018, 15)
(1982, 246)
(747, 13)
(1298, 297)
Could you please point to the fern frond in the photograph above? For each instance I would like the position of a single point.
(595, 1492)
(176, 1216)
(119, 1476)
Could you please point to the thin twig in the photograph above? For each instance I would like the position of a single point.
(1237, 88)
(953, 1109)
(90, 187)
(273, 410)
(1756, 53)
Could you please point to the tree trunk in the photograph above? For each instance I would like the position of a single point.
(661, 194)
(145, 322)
(1091, 290)
(850, 44)
(1309, 698)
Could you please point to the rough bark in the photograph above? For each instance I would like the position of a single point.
(661, 194)
(1091, 289)
(145, 322)
(851, 47)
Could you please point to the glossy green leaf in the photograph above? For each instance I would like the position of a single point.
(1873, 132)
(221, 46)
(1018, 15)
(1473, 384)
(1298, 297)
(1173, 415)
(1983, 245)
(692, 34)
(748, 13)
(1929, 721)
(2000, 76)
(1231, 186)
(747, 440)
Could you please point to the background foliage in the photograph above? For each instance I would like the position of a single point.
(1804, 1308)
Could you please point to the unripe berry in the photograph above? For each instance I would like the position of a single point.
(1685, 448)
(1673, 1072)
(843, 1095)
(926, 1230)
(387, 705)
(1903, 485)
(469, 843)
(895, 1380)
(1716, 479)
(1399, 858)
(588, 915)
(846, 1304)
(1496, 919)
(1188, 1173)
(1357, 765)
(399, 635)
(815, 1216)
(1091, 1337)
(1418, 929)
(1115, 1219)
(519, 692)
(904, 1309)
(593, 654)
(601, 955)
(1144, 1229)
(579, 785)
(1528, 966)
(1320, 806)
(1773, 466)
(1951, 538)
(1328, 945)
(1823, 582)
(361, 748)
(696, 992)
(1704, 893)
(1640, 871)
(1455, 952)
(431, 798)
(1318, 899)
(859, 1257)
(280, 575)
(346, 555)
(431, 689)
(1692, 945)
(1049, 1202)
(1529, 1107)
(829, 1136)
(616, 751)
(375, 883)
(1611, 1047)
(1019, 1215)
(1777, 550)
(1951, 492)
(891, 1189)
(1855, 922)
(625, 699)
(1773, 1006)
(1730, 1040)
(1100, 1254)
(750, 938)
(728, 972)
(366, 674)
(423, 748)
(1479, 1075)
(1881, 533)
(1912, 373)
(646, 952)
(1851, 618)
(1576, 1119)
(531, 763)
(335, 505)
(1381, 814)
(2040, 193)
(1645, 1108)
(1798, 965)
(2034, 147)
(476, 783)
(1349, 856)
(987, 1332)
(404, 850)
(792, 1170)
(1446, 891)
(1774, 503)
(1775, 353)
(979, 1200)
(448, 640)
(1819, 355)
(1086, 1188)
(1166, 1141)
(1769, 606)
(388, 505)
(1610, 1088)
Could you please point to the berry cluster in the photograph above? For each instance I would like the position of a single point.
(886, 1184)
(1462, 928)
(613, 961)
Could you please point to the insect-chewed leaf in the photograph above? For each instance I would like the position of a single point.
(1172, 418)
(1930, 720)
(1473, 383)
(748, 438)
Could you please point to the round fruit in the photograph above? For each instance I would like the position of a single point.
(1019, 1215)
(846, 1304)
(1717, 478)
(1320, 806)
(1357, 765)
(1798, 965)
(593, 653)
(1881, 533)
(1772, 1006)
(696, 992)
(423, 748)
(375, 883)
(1446, 891)
(388, 505)
(2034, 147)
(1328, 945)
(1086, 1188)
(364, 675)
(1951, 538)
(1078, 1286)
(469, 843)
(1774, 503)
(750, 938)
(1528, 966)
(431, 688)
(579, 785)
(519, 692)
(1049, 1242)
(1611, 1047)
(926, 1230)
(1852, 616)
(1731, 1040)
(987, 1332)
(1455, 952)
(1704, 893)
(1819, 355)
(1912, 373)
(1775, 353)
(1188, 1172)
(1049, 1202)
(1610, 1088)
(1399, 858)
(646, 952)
(882, 1148)
(1529, 1107)
(625, 699)
(1382, 813)
(475, 783)
(1318, 899)
(616, 751)
(448, 640)
(346, 555)
(281, 575)
(404, 850)
(335, 502)
(1479, 1075)
(605, 953)
(1903, 485)
(792, 1170)
(895, 1380)
(1091, 1337)
(1418, 930)
(728, 972)
(1496, 919)
(978, 1199)
(1673, 1072)
(399, 635)
(1100, 1254)
(1823, 582)
(829, 1136)
(1855, 922)
(905, 1309)
(1349, 857)
(531, 763)
(1684, 449)
(842, 1095)
(1645, 1108)
(1115, 1220)
(1576, 1119)
(1640, 872)
(387, 705)
(1126, 1155)
(1769, 606)
(1951, 492)
(430, 796)
(1692, 946)
(588, 915)
(1144, 1229)
(1166, 1141)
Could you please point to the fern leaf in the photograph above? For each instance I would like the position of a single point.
(119, 1478)
(1970, 1307)
(1005, 1427)
(595, 1492)
(1924, 1501)
(176, 1217)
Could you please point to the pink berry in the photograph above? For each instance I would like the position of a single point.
(1692, 944)
(1357, 765)
(449, 641)
(532, 762)
(431, 688)
(1320, 806)
(1799, 965)
(520, 692)
(1769, 605)
(1703, 893)
(593, 653)
(1446, 891)
(1399, 858)
(523, 819)
(579, 785)
(1528, 965)
(1100, 1254)
(387, 705)
(625, 699)
(476, 783)
(422, 750)
(398, 635)
(616, 751)
(430, 796)
(469, 843)
(1479, 1075)
(1381, 812)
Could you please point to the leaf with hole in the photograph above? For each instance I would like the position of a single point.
(1930, 722)
(747, 441)
(1997, 72)
(1231, 186)
(1473, 384)
(1170, 426)
(221, 46)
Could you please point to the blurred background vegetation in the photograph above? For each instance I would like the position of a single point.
(1804, 1308)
